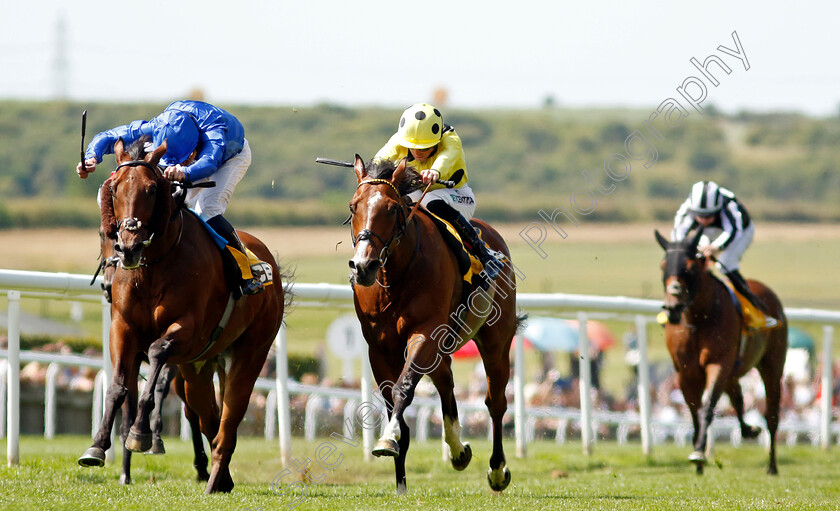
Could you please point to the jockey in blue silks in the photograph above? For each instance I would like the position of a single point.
(202, 141)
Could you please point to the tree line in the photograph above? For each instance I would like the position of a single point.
(783, 165)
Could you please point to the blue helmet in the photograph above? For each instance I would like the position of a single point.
(181, 134)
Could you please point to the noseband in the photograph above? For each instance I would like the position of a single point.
(396, 233)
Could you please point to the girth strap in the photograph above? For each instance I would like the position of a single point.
(218, 331)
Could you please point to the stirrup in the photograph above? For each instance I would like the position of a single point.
(251, 287)
(492, 266)
(770, 322)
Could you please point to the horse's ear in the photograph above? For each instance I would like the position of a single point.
(119, 150)
(399, 173)
(661, 240)
(158, 153)
(359, 167)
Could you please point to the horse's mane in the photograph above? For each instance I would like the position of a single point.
(137, 149)
(384, 169)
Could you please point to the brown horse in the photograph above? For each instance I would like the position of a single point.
(408, 297)
(703, 335)
(170, 377)
(171, 302)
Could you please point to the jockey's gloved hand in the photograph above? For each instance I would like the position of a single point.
(175, 173)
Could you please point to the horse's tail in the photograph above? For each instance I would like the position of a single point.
(521, 321)
(287, 277)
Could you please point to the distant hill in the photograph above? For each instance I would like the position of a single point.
(783, 165)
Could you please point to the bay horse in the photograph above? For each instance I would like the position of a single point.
(170, 378)
(407, 292)
(171, 303)
(704, 338)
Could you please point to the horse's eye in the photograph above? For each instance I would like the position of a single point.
(152, 190)
(352, 209)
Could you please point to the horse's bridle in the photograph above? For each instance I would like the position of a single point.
(133, 224)
(397, 232)
(691, 284)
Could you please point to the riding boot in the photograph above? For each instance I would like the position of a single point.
(492, 266)
(741, 286)
(248, 285)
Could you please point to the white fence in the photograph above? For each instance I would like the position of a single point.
(78, 287)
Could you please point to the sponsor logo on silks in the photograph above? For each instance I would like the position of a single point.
(458, 199)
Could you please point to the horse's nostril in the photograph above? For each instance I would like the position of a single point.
(352, 264)
(118, 248)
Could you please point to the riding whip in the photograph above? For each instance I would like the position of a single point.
(82, 153)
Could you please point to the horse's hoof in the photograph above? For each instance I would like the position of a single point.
(386, 447)
(499, 486)
(750, 432)
(461, 462)
(138, 442)
(223, 483)
(93, 457)
(157, 447)
(697, 457)
(124, 479)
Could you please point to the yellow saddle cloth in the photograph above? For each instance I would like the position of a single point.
(251, 266)
(753, 318)
(469, 270)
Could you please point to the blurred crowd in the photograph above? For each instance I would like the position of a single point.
(801, 397)
(69, 377)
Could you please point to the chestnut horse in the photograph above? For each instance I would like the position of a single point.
(408, 295)
(703, 335)
(170, 377)
(171, 302)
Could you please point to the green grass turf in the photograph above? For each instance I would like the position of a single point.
(551, 477)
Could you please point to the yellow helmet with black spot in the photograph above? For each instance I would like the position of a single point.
(421, 126)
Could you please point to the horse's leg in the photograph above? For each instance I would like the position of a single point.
(129, 413)
(691, 387)
(771, 374)
(385, 376)
(200, 399)
(736, 397)
(247, 361)
(715, 384)
(123, 367)
(460, 453)
(200, 458)
(140, 435)
(498, 373)
(156, 419)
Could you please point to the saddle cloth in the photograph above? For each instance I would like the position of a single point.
(753, 318)
(260, 269)
(468, 264)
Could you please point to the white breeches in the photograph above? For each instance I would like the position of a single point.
(209, 202)
(462, 199)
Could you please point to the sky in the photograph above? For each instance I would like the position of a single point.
(484, 54)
